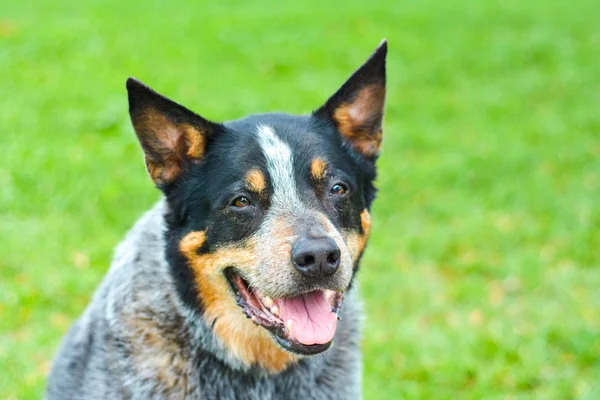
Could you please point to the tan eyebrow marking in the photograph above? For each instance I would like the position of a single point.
(318, 168)
(195, 141)
(256, 181)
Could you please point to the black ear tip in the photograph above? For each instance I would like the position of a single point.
(138, 93)
(134, 84)
(381, 50)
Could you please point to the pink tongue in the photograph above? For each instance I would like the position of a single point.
(312, 321)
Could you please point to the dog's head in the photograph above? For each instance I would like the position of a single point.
(268, 215)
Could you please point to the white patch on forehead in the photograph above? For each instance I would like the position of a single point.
(287, 219)
(280, 164)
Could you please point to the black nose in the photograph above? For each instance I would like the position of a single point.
(316, 258)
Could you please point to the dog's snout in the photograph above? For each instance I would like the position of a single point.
(316, 257)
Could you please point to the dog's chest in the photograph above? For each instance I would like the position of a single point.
(314, 379)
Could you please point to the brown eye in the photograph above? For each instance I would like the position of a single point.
(241, 202)
(338, 189)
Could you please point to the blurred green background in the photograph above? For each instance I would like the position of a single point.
(482, 276)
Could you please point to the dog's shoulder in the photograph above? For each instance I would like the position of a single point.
(133, 325)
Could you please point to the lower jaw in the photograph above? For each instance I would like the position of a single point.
(299, 348)
(278, 332)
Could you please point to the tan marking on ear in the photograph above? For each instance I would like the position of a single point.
(360, 120)
(154, 125)
(166, 144)
(195, 141)
(318, 168)
(255, 180)
(250, 343)
(159, 173)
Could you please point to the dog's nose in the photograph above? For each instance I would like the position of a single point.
(316, 258)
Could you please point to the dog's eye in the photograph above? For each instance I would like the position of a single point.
(240, 202)
(338, 189)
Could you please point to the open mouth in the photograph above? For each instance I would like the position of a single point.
(303, 324)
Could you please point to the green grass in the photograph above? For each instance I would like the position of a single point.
(482, 277)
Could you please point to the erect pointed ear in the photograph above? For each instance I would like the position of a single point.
(172, 136)
(357, 107)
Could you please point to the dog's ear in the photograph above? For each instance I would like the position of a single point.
(357, 107)
(172, 136)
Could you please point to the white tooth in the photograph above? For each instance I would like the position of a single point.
(275, 310)
(267, 301)
(289, 326)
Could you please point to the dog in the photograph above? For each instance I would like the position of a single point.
(240, 282)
